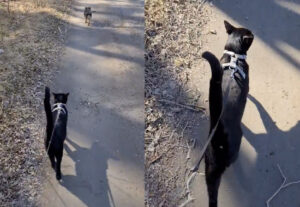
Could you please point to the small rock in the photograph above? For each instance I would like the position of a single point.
(172, 85)
(149, 110)
(1, 51)
(213, 32)
(1, 88)
(157, 91)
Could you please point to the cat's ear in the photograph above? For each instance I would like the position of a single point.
(229, 28)
(54, 96)
(67, 94)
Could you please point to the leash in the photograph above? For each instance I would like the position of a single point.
(56, 107)
(232, 66)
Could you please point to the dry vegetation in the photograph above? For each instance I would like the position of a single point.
(173, 108)
(31, 37)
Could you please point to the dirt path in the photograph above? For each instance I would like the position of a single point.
(103, 69)
(271, 121)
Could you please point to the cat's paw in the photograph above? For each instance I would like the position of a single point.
(58, 176)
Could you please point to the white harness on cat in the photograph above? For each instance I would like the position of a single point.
(60, 107)
(232, 64)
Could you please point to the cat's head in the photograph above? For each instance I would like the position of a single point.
(60, 97)
(87, 9)
(239, 39)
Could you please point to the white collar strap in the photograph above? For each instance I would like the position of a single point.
(59, 107)
(238, 56)
(232, 65)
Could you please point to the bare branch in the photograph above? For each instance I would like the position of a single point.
(282, 186)
(186, 106)
(190, 198)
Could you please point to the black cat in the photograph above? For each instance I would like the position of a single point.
(56, 129)
(87, 15)
(228, 92)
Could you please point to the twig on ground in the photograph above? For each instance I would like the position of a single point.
(190, 198)
(156, 158)
(154, 141)
(186, 106)
(173, 131)
(8, 6)
(186, 125)
(282, 186)
(188, 156)
(164, 153)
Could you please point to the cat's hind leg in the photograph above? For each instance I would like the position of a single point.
(213, 175)
(58, 156)
(89, 20)
(52, 159)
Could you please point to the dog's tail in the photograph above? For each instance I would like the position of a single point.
(49, 127)
(215, 88)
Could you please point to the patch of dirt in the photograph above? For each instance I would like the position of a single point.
(32, 33)
(175, 111)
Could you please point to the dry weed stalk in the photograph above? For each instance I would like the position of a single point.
(8, 6)
(282, 186)
(190, 198)
(31, 50)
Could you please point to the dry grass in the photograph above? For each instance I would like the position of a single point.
(173, 43)
(31, 35)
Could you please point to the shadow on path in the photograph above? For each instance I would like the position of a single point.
(105, 110)
(256, 180)
(80, 184)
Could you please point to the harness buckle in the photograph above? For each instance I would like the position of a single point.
(232, 65)
(59, 107)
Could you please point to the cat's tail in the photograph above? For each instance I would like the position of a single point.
(215, 88)
(216, 69)
(47, 107)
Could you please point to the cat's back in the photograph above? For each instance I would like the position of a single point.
(60, 123)
(235, 91)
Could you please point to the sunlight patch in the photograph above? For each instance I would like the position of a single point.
(290, 6)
